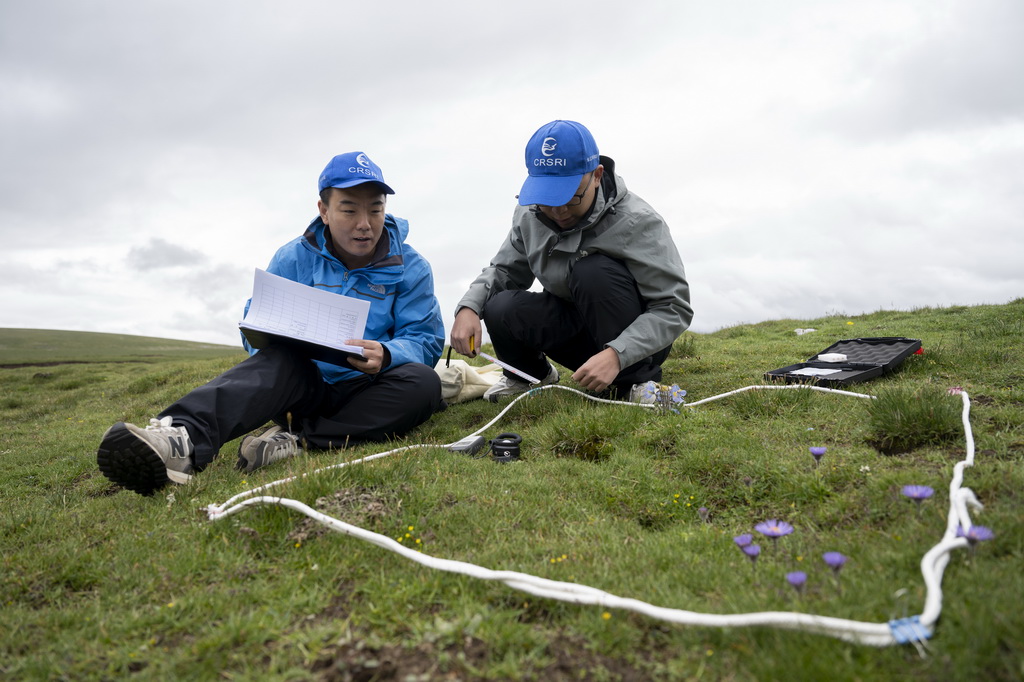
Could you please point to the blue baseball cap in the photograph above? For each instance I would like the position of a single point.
(557, 157)
(351, 169)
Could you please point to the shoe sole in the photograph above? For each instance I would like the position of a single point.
(130, 462)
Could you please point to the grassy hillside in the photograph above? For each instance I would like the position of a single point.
(100, 583)
(44, 346)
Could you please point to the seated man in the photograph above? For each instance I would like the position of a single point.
(353, 248)
(615, 295)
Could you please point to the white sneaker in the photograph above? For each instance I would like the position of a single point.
(509, 388)
(145, 460)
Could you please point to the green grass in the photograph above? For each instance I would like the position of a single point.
(99, 583)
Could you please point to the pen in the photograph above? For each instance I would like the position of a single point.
(471, 340)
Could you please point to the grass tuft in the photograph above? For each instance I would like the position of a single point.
(905, 418)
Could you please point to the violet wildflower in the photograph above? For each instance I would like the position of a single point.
(918, 493)
(704, 514)
(834, 560)
(975, 535)
(797, 579)
(817, 453)
(773, 529)
(752, 551)
(743, 540)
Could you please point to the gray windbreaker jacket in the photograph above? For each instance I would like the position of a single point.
(621, 225)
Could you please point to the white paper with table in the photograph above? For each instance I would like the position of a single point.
(289, 310)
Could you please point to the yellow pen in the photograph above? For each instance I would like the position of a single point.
(471, 343)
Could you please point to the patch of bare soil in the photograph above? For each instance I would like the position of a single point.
(358, 506)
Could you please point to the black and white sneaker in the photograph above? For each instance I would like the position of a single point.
(145, 460)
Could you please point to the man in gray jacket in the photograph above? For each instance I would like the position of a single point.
(615, 294)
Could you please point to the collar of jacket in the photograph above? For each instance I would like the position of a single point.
(388, 253)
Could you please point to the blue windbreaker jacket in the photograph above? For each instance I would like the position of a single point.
(404, 313)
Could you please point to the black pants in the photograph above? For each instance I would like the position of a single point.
(277, 382)
(525, 326)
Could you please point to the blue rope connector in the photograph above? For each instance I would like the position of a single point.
(908, 630)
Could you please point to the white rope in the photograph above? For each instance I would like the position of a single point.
(913, 630)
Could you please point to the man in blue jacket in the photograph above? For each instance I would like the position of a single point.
(353, 248)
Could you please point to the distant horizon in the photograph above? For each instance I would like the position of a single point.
(738, 324)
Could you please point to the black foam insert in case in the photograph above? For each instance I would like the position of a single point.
(865, 359)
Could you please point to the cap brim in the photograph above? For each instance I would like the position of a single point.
(549, 190)
(353, 183)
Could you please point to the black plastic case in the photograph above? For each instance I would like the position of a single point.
(865, 360)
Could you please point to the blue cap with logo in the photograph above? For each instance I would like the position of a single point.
(351, 169)
(557, 157)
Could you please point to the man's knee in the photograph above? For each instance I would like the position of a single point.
(422, 383)
(499, 307)
(598, 272)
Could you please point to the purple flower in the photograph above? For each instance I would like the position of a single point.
(704, 514)
(743, 540)
(917, 493)
(797, 579)
(817, 453)
(773, 528)
(752, 551)
(976, 534)
(835, 561)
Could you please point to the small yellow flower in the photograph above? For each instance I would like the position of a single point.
(606, 615)
(298, 544)
(411, 528)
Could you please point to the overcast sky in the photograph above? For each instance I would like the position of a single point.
(810, 157)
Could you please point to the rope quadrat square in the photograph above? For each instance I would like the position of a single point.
(914, 629)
